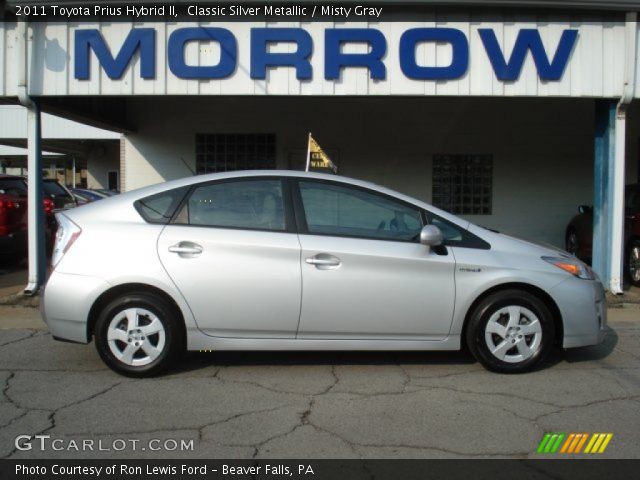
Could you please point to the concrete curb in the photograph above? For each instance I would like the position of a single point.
(21, 300)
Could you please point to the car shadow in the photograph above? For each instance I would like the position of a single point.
(194, 361)
(595, 353)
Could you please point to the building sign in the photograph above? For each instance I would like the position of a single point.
(116, 57)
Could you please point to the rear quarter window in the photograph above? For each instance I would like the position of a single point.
(159, 208)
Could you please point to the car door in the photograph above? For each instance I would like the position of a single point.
(233, 253)
(364, 273)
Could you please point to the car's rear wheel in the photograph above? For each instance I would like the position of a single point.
(138, 335)
(572, 244)
(510, 331)
(633, 262)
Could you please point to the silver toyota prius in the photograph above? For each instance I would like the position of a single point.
(283, 260)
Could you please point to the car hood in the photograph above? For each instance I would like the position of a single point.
(517, 244)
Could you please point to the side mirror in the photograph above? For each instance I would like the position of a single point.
(584, 209)
(431, 236)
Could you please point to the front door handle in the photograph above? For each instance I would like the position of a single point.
(186, 248)
(323, 261)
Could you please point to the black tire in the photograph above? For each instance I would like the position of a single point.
(475, 333)
(572, 243)
(632, 263)
(174, 341)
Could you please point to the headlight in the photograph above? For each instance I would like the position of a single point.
(573, 266)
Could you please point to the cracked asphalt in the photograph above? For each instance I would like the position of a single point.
(317, 405)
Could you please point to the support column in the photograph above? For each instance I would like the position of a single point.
(608, 203)
(35, 214)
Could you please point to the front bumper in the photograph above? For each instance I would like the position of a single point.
(583, 308)
(66, 302)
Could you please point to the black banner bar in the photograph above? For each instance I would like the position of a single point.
(319, 469)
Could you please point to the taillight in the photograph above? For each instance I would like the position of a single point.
(8, 205)
(68, 232)
(48, 206)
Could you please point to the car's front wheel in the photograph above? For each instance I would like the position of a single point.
(138, 335)
(510, 331)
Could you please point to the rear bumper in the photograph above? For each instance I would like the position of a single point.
(66, 302)
(583, 308)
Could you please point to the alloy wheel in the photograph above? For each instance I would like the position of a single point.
(513, 334)
(136, 336)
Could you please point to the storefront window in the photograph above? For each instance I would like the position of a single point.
(463, 184)
(228, 152)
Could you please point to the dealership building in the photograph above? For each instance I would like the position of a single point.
(510, 114)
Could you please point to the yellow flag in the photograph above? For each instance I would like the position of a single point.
(317, 158)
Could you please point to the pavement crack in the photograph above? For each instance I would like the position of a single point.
(201, 428)
(256, 384)
(407, 378)
(7, 385)
(17, 340)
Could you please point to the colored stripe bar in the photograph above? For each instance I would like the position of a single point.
(574, 444)
(567, 443)
(593, 439)
(543, 443)
(606, 441)
(556, 445)
(596, 446)
(552, 440)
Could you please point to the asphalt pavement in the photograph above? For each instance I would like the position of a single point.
(310, 405)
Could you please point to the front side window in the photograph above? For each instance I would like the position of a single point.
(455, 236)
(248, 204)
(337, 210)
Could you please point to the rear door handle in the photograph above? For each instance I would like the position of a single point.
(324, 261)
(186, 248)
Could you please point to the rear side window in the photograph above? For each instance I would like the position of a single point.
(13, 186)
(245, 204)
(159, 208)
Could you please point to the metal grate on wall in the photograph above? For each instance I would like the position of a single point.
(236, 151)
(463, 184)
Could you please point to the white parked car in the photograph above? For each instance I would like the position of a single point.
(282, 260)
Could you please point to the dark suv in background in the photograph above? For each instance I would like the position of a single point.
(579, 234)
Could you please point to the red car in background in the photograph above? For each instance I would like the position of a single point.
(13, 219)
(579, 234)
